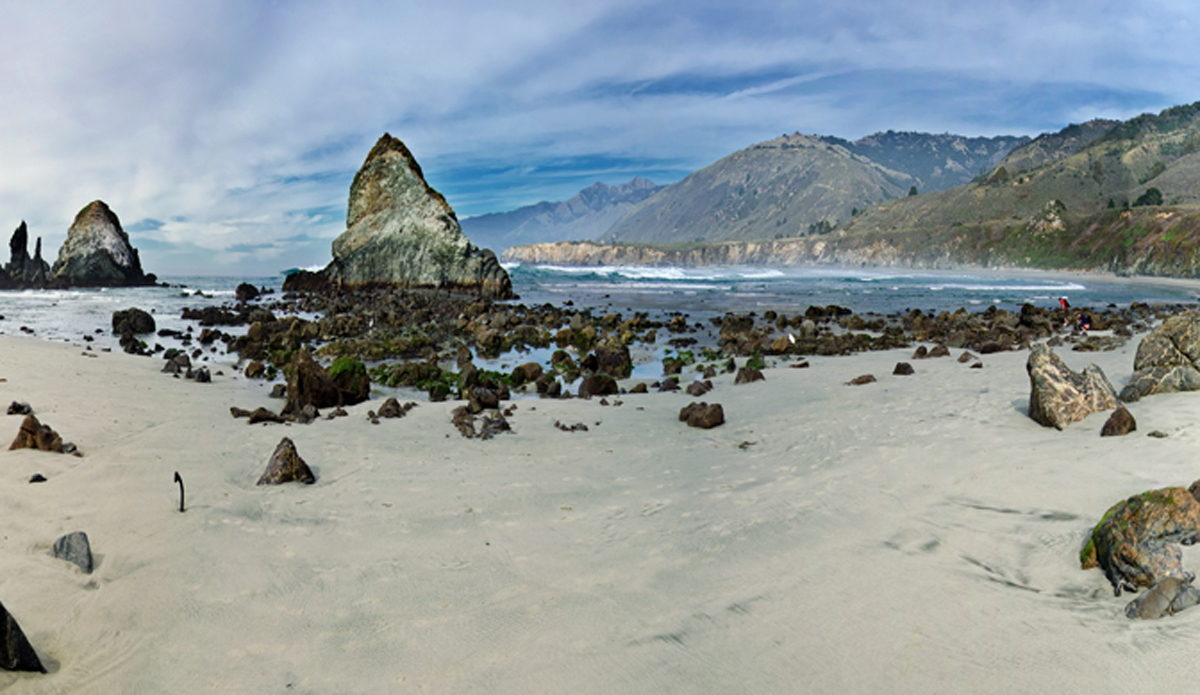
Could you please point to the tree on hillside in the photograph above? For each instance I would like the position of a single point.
(912, 191)
(1152, 196)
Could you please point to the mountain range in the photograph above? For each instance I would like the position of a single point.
(1110, 195)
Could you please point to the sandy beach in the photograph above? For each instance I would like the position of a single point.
(919, 534)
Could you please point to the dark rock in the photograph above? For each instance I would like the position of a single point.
(921, 353)
(1120, 423)
(940, 350)
(612, 358)
(132, 320)
(309, 384)
(37, 478)
(246, 292)
(391, 408)
(577, 427)
(702, 415)
(307, 414)
(639, 387)
(528, 372)
(699, 388)
(668, 385)
(255, 370)
(177, 364)
(74, 547)
(286, 466)
(1059, 396)
(351, 378)
(1135, 542)
(860, 380)
(16, 654)
(903, 369)
(264, 415)
(400, 231)
(35, 435)
(203, 376)
(1168, 597)
(278, 391)
(97, 252)
(966, 357)
(481, 398)
(748, 375)
(599, 384)
(16, 408)
(1167, 360)
(239, 412)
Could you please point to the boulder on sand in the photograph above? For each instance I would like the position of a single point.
(35, 435)
(74, 548)
(286, 466)
(1136, 541)
(309, 384)
(1059, 396)
(1167, 359)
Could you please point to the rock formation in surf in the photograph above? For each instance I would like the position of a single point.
(401, 232)
(97, 253)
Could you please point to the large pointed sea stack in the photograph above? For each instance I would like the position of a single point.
(97, 252)
(401, 232)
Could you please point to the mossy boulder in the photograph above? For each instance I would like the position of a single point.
(352, 379)
(1135, 542)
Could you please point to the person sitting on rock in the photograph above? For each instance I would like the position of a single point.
(1085, 322)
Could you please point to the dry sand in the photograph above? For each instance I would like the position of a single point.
(919, 534)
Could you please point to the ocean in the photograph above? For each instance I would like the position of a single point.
(69, 315)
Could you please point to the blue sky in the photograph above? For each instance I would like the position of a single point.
(225, 134)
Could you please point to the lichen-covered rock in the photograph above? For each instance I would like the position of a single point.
(1135, 542)
(16, 654)
(400, 231)
(97, 252)
(1059, 396)
(1167, 359)
(351, 378)
(286, 466)
(1168, 597)
(612, 357)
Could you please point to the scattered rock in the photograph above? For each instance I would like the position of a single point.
(599, 384)
(1120, 423)
(132, 320)
(391, 408)
(203, 376)
(177, 363)
(748, 375)
(37, 478)
(74, 547)
(639, 387)
(16, 654)
(351, 378)
(264, 415)
(35, 435)
(16, 408)
(920, 353)
(1157, 434)
(1168, 597)
(309, 384)
(860, 380)
(699, 388)
(966, 357)
(254, 370)
(286, 466)
(307, 414)
(246, 292)
(702, 415)
(1059, 396)
(278, 391)
(577, 427)
(940, 350)
(903, 369)
(239, 412)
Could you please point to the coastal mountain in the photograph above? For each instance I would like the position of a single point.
(97, 252)
(780, 188)
(937, 162)
(402, 232)
(586, 215)
(800, 184)
(1121, 197)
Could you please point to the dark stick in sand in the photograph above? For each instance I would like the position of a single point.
(180, 481)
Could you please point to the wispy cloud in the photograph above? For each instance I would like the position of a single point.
(227, 132)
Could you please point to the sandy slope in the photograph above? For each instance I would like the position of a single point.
(918, 534)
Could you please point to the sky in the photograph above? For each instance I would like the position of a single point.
(225, 134)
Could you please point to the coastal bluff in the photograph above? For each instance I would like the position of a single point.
(402, 232)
